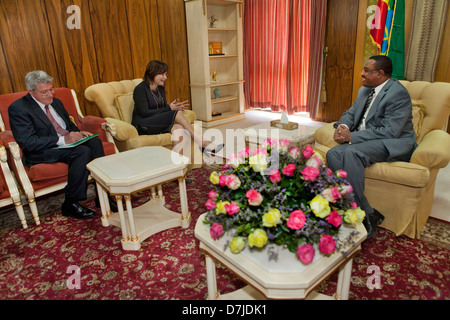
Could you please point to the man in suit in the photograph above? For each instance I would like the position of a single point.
(40, 123)
(377, 128)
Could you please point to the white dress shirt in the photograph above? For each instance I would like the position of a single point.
(57, 117)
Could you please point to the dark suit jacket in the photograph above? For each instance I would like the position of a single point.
(33, 130)
(389, 119)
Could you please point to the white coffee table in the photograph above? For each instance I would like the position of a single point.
(286, 278)
(125, 173)
(259, 133)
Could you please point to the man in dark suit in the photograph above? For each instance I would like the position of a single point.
(40, 123)
(377, 128)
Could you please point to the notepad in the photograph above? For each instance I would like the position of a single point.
(76, 143)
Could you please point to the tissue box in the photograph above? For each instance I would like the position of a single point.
(285, 126)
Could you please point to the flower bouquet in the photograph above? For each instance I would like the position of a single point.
(282, 195)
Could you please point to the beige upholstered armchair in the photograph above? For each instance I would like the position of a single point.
(116, 104)
(403, 191)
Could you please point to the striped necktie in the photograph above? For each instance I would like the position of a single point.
(55, 123)
(366, 105)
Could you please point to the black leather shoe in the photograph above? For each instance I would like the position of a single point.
(112, 204)
(378, 217)
(371, 221)
(214, 151)
(76, 210)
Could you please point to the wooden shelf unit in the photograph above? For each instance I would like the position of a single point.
(229, 66)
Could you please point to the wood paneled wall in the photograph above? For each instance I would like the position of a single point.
(116, 40)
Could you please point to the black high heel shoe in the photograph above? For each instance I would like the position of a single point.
(216, 150)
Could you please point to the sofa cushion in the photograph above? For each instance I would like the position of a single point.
(125, 106)
(399, 172)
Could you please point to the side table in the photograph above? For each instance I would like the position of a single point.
(125, 173)
(286, 278)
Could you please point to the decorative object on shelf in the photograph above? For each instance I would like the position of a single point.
(214, 77)
(281, 195)
(216, 93)
(215, 48)
(215, 114)
(212, 21)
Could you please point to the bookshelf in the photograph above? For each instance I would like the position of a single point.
(228, 66)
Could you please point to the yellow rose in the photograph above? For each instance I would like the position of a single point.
(320, 206)
(271, 218)
(258, 162)
(237, 244)
(354, 216)
(214, 177)
(257, 239)
(220, 208)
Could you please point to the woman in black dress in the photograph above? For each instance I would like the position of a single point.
(152, 114)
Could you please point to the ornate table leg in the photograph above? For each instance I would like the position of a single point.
(185, 214)
(343, 285)
(135, 244)
(123, 224)
(104, 204)
(211, 278)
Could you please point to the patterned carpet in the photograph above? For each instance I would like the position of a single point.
(35, 263)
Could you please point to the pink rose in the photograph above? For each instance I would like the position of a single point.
(284, 144)
(289, 170)
(307, 152)
(262, 152)
(354, 205)
(294, 152)
(296, 220)
(223, 180)
(305, 253)
(269, 142)
(212, 194)
(231, 208)
(216, 231)
(327, 244)
(341, 174)
(210, 204)
(346, 188)
(310, 173)
(244, 153)
(254, 197)
(331, 194)
(334, 218)
(329, 172)
(232, 182)
(314, 161)
(234, 160)
(275, 176)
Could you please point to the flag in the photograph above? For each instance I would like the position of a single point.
(388, 33)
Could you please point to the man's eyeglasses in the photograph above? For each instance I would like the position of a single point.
(367, 70)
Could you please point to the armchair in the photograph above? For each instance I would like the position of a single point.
(42, 179)
(403, 191)
(115, 102)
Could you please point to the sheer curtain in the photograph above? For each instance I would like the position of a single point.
(283, 45)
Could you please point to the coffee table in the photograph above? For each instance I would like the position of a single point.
(125, 173)
(286, 278)
(257, 134)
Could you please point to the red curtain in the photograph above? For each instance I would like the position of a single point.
(283, 44)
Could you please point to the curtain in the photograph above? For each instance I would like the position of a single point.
(283, 45)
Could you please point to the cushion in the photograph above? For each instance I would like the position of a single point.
(48, 171)
(125, 106)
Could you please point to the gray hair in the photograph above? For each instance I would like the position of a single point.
(33, 78)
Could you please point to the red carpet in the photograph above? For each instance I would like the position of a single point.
(34, 263)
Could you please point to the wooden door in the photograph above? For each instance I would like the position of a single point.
(340, 41)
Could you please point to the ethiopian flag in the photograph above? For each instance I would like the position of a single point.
(388, 33)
